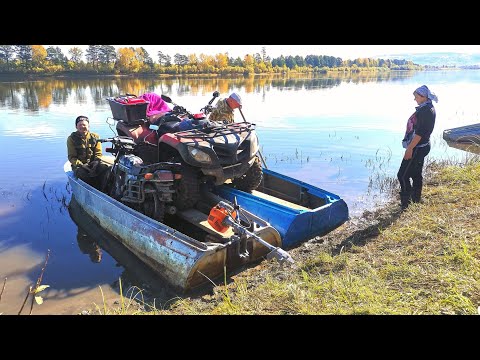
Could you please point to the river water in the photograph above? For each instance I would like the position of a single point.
(339, 133)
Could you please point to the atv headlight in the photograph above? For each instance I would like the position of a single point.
(253, 146)
(199, 155)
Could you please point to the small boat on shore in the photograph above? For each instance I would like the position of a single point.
(187, 251)
(297, 210)
(470, 147)
(464, 134)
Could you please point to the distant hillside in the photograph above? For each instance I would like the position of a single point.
(438, 59)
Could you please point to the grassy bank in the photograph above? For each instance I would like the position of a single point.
(425, 260)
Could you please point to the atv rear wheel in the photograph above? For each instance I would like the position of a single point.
(251, 179)
(153, 207)
(188, 192)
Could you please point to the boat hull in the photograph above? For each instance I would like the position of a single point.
(288, 212)
(185, 263)
(297, 210)
(463, 134)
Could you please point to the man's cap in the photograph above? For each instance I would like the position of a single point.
(80, 118)
(236, 97)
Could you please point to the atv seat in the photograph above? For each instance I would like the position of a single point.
(139, 133)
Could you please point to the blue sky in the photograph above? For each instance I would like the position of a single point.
(343, 51)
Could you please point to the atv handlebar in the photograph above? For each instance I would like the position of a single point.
(180, 110)
(208, 108)
(119, 141)
(215, 95)
(121, 145)
(177, 109)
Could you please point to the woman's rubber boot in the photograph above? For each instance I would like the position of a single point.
(405, 198)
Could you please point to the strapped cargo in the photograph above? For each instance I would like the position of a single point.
(130, 109)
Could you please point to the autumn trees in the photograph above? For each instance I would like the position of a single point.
(106, 59)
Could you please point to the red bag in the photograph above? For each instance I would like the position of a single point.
(130, 99)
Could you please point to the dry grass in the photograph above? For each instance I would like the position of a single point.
(425, 260)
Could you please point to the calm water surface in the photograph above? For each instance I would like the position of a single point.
(340, 134)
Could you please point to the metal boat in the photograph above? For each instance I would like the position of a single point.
(281, 213)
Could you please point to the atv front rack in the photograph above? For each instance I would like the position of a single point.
(215, 131)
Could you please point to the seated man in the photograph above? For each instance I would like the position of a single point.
(84, 154)
(223, 110)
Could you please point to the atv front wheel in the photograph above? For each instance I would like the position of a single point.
(251, 179)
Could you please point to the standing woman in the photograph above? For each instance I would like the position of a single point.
(417, 143)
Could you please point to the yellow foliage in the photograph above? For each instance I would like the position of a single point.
(39, 54)
(206, 62)
(127, 60)
(248, 61)
(221, 61)
(192, 59)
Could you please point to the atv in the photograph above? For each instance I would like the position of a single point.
(210, 153)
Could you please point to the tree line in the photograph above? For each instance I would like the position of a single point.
(105, 59)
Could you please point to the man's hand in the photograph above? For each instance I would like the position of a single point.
(91, 167)
(86, 167)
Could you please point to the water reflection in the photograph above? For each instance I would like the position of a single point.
(40, 94)
(89, 246)
(94, 240)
